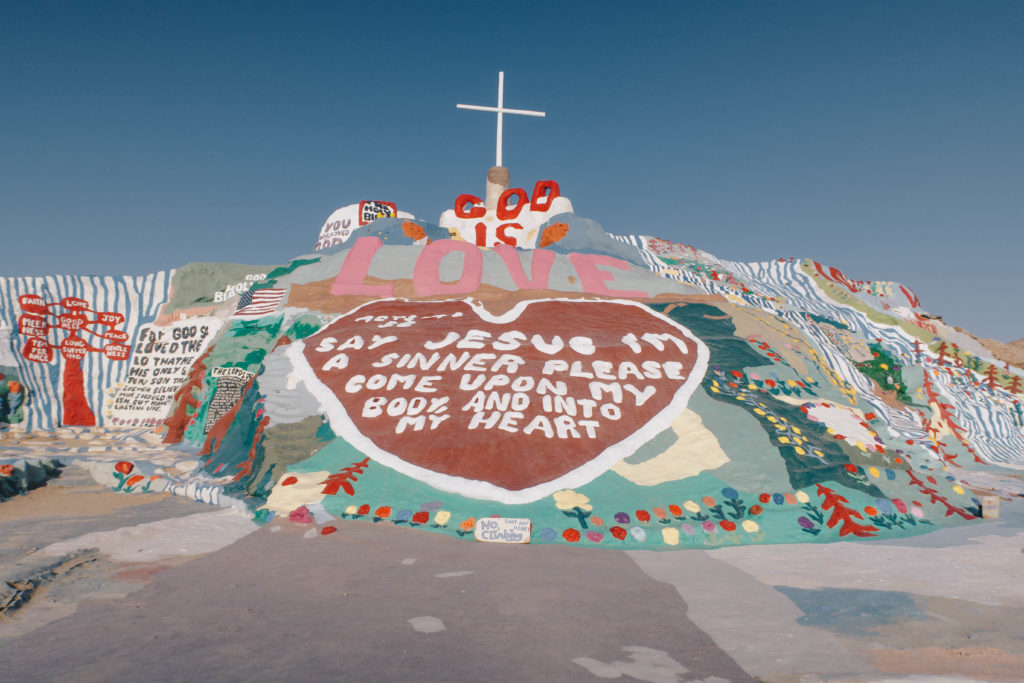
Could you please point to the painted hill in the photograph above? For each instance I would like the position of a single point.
(516, 360)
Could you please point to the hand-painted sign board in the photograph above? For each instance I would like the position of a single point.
(502, 530)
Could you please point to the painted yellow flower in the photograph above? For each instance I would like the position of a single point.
(442, 517)
(567, 499)
(351, 509)
(802, 497)
(670, 536)
(750, 526)
(959, 489)
(691, 506)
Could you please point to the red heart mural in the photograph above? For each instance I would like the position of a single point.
(508, 408)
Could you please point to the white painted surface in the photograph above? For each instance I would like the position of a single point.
(195, 534)
(426, 624)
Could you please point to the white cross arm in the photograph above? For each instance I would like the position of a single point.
(524, 112)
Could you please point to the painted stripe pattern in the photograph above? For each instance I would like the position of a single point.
(137, 298)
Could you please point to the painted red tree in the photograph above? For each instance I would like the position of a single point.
(990, 376)
(841, 512)
(40, 319)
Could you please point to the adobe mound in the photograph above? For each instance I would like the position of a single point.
(618, 392)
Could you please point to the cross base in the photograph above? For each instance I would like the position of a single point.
(498, 180)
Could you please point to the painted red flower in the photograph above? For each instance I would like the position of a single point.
(727, 525)
(571, 535)
(363, 510)
(421, 517)
(6, 470)
(765, 497)
(871, 511)
(756, 509)
(851, 468)
(133, 480)
(328, 530)
(124, 467)
(643, 515)
(675, 510)
(289, 481)
(382, 512)
(618, 532)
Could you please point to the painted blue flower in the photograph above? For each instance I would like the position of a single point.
(547, 534)
(403, 515)
(884, 505)
(890, 475)
(778, 498)
(730, 493)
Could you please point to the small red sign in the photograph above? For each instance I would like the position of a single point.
(38, 350)
(72, 321)
(115, 351)
(73, 302)
(109, 318)
(74, 348)
(33, 304)
(33, 325)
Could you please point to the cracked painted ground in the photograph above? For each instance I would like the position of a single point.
(111, 587)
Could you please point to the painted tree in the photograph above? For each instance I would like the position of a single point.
(990, 376)
(43, 322)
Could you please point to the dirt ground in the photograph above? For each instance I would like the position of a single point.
(98, 585)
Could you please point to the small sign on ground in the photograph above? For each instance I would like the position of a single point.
(502, 530)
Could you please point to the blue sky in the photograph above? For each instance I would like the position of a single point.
(886, 139)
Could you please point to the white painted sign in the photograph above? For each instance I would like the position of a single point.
(515, 221)
(160, 362)
(339, 225)
(502, 530)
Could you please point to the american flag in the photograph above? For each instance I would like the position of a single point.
(259, 301)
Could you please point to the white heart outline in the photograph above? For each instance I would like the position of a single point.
(343, 426)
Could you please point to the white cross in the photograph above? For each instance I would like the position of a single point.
(500, 111)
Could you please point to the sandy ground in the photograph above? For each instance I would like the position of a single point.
(104, 586)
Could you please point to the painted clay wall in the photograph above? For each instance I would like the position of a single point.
(617, 391)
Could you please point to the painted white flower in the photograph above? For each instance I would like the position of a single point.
(802, 497)
(568, 499)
